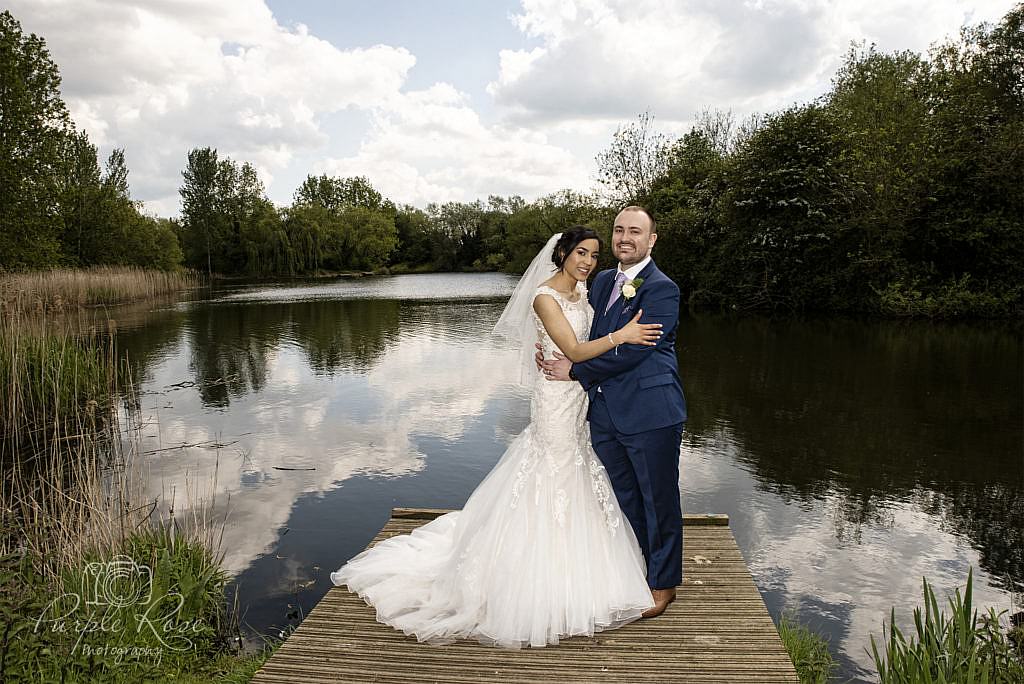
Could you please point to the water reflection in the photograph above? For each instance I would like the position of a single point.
(279, 400)
(874, 411)
(852, 457)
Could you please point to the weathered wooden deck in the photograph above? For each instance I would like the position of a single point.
(718, 630)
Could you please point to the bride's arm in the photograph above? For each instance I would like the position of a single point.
(559, 329)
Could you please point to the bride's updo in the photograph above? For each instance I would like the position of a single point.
(570, 238)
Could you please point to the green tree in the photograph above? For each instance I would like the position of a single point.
(33, 125)
(636, 158)
(201, 221)
(788, 194)
(880, 104)
(413, 230)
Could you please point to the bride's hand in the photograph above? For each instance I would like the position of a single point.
(636, 332)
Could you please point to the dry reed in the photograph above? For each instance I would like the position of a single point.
(65, 289)
(70, 478)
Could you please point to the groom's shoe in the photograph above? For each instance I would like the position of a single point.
(662, 597)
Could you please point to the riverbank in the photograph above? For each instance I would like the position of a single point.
(61, 290)
(98, 580)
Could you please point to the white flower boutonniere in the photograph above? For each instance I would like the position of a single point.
(630, 287)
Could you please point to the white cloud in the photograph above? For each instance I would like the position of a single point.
(159, 79)
(613, 59)
(431, 146)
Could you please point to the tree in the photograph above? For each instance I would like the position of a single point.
(636, 158)
(201, 221)
(33, 123)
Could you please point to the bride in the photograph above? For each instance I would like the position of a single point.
(541, 550)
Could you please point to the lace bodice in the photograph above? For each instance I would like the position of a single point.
(559, 436)
(579, 314)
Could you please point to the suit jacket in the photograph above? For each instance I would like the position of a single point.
(640, 384)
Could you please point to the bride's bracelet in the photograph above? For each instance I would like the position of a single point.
(612, 340)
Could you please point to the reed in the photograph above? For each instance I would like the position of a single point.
(55, 381)
(66, 289)
(808, 651)
(958, 646)
(75, 518)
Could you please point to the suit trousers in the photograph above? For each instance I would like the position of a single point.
(644, 471)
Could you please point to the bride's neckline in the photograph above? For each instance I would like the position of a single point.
(566, 295)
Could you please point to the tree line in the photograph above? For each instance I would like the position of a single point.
(900, 191)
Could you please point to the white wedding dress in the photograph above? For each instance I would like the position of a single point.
(540, 551)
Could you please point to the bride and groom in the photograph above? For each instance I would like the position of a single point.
(540, 550)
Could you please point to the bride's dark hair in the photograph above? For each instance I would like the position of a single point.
(570, 238)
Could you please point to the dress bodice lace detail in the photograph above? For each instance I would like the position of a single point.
(579, 314)
(559, 443)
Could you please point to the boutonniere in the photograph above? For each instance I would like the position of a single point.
(630, 287)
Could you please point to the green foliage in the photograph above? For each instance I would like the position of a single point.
(33, 123)
(956, 647)
(57, 208)
(808, 651)
(171, 624)
(900, 192)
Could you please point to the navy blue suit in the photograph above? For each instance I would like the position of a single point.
(636, 420)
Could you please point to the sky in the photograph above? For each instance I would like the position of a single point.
(447, 100)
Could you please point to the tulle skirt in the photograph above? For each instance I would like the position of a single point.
(540, 551)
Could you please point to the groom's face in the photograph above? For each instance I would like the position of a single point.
(632, 238)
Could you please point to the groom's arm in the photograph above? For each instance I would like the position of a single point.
(661, 305)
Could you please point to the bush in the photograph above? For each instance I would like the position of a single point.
(152, 612)
(808, 651)
(950, 300)
(955, 647)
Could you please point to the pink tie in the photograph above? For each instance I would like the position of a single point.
(620, 280)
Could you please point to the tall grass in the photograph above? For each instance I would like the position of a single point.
(808, 651)
(75, 519)
(77, 525)
(64, 289)
(959, 646)
(55, 382)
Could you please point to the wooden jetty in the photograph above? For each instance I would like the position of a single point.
(718, 630)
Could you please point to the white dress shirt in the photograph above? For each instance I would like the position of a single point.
(634, 270)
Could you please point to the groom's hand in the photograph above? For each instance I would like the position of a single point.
(556, 368)
(539, 356)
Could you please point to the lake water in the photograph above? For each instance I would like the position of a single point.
(852, 456)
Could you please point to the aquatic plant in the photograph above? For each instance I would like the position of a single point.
(65, 289)
(808, 651)
(959, 646)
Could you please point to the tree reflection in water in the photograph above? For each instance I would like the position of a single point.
(867, 412)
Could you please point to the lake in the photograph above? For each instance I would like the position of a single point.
(852, 456)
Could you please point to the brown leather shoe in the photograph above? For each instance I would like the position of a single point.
(662, 597)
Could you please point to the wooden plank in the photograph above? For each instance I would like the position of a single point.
(717, 631)
(702, 519)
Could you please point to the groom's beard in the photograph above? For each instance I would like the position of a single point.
(634, 257)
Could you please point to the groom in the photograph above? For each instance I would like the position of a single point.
(637, 410)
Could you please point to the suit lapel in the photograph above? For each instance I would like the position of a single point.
(620, 307)
(600, 301)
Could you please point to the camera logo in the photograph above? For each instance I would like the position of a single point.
(120, 582)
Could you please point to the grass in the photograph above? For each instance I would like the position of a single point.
(65, 289)
(958, 646)
(808, 651)
(53, 382)
(97, 581)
